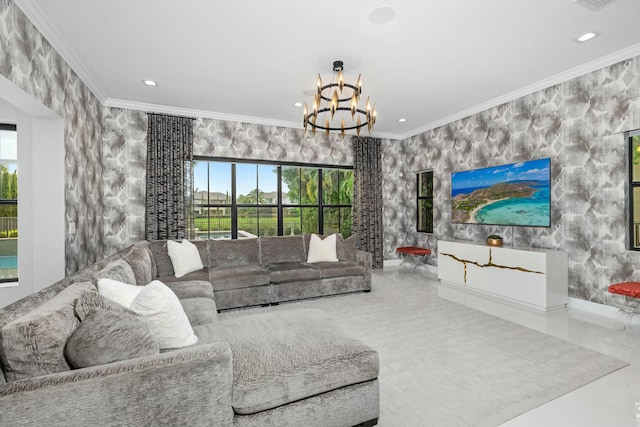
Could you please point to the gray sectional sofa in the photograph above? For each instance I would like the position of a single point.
(285, 368)
(270, 270)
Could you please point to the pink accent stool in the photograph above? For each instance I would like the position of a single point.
(627, 297)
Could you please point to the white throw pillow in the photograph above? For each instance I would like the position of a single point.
(120, 292)
(322, 250)
(185, 257)
(162, 311)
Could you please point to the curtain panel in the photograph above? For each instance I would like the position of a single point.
(367, 197)
(169, 177)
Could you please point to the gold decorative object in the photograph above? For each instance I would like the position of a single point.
(334, 105)
(494, 240)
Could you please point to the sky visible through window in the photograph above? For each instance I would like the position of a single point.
(9, 149)
(220, 178)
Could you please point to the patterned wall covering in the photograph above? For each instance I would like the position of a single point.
(579, 124)
(124, 163)
(28, 60)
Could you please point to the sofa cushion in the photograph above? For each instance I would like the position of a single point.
(184, 257)
(340, 269)
(202, 274)
(162, 311)
(119, 270)
(228, 253)
(106, 336)
(245, 276)
(163, 262)
(200, 311)
(119, 292)
(346, 248)
(322, 250)
(291, 272)
(191, 289)
(33, 345)
(282, 249)
(141, 262)
(281, 357)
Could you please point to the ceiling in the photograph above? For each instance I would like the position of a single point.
(243, 60)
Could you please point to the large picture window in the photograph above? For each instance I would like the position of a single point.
(8, 203)
(634, 189)
(243, 200)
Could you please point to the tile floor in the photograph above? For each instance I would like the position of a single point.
(612, 401)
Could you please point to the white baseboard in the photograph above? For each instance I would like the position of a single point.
(597, 309)
(391, 264)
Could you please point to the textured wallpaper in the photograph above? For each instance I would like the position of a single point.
(29, 61)
(579, 125)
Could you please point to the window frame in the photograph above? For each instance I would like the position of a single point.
(634, 232)
(10, 202)
(280, 207)
(419, 198)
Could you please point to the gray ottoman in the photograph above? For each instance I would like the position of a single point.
(296, 367)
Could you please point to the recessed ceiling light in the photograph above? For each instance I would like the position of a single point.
(382, 15)
(587, 36)
(150, 82)
(402, 120)
(297, 104)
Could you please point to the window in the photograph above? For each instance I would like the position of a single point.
(243, 200)
(425, 201)
(8, 203)
(634, 189)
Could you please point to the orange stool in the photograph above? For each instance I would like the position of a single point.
(627, 298)
(414, 257)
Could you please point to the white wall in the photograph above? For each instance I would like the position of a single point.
(41, 253)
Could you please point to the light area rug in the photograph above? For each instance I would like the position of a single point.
(445, 364)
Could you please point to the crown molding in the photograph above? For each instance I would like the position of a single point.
(188, 112)
(589, 67)
(42, 23)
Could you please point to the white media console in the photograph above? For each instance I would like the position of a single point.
(537, 278)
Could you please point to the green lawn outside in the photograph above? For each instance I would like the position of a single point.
(268, 225)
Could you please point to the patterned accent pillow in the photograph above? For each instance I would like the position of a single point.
(106, 336)
(33, 345)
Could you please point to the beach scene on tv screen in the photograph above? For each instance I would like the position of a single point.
(513, 194)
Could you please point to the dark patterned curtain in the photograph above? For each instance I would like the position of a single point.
(169, 177)
(367, 197)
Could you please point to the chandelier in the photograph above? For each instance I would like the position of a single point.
(342, 102)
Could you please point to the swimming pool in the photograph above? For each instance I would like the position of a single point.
(9, 261)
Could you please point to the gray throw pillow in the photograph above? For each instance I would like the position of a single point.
(105, 337)
(33, 344)
(140, 261)
(90, 301)
(346, 248)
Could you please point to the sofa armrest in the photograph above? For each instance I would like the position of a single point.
(366, 260)
(190, 386)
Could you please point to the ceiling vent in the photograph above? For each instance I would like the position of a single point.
(594, 5)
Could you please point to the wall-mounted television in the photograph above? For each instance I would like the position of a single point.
(513, 194)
